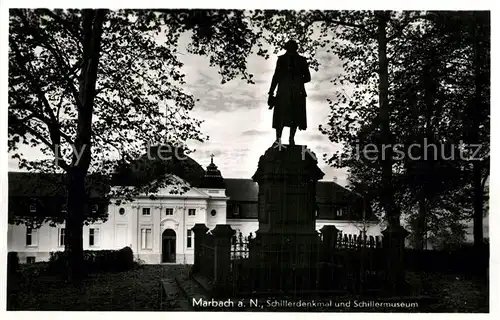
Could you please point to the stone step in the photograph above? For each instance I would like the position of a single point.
(204, 283)
(191, 289)
(173, 297)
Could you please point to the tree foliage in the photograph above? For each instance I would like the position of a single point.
(92, 88)
(139, 95)
(438, 94)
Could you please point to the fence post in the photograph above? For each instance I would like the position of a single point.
(363, 238)
(222, 245)
(199, 230)
(394, 244)
(329, 241)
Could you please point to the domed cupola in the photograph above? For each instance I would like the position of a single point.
(213, 178)
(157, 161)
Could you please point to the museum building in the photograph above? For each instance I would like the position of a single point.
(158, 228)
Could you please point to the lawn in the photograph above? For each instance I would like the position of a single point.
(452, 292)
(140, 290)
(135, 290)
(431, 291)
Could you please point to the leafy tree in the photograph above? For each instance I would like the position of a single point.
(92, 88)
(406, 78)
(423, 118)
(432, 99)
(364, 42)
(477, 121)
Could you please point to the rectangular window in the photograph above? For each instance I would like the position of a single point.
(31, 236)
(62, 234)
(189, 238)
(236, 210)
(146, 211)
(146, 238)
(339, 212)
(30, 259)
(191, 212)
(169, 212)
(93, 237)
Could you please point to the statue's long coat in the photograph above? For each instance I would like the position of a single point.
(290, 75)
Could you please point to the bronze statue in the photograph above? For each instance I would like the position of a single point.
(292, 71)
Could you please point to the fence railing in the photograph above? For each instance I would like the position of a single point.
(353, 241)
(351, 262)
(240, 246)
(240, 270)
(235, 263)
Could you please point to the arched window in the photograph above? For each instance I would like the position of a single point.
(94, 208)
(64, 208)
(33, 207)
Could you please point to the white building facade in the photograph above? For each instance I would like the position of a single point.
(159, 230)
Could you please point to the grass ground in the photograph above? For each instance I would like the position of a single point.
(140, 290)
(452, 292)
(135, 290)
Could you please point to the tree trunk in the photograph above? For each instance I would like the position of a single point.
(475, 111)
(421, 224)
(77, 199)
(74, 224)
(425, 165)
(386, 153)
(478, 204)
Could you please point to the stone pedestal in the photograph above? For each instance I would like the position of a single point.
(199, 229)
(330, 234)
(285, 251)
(222, 245)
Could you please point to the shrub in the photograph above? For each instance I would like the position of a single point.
(12, 262)
(95, 260)
(58, 262)
(466, 259)
(101, 260)
(125, 259)
(33, 270)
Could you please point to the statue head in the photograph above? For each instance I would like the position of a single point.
(291, 46)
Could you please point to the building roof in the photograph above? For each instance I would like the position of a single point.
(242, 189)
(241, 192)
(29, 184)
(330, 197)
(331, 192)
(326, 191)
(212, 177)
(158, 161)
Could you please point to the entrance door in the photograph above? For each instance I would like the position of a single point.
(168, 246)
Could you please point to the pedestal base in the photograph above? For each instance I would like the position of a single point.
(285, 262)
(285, 256)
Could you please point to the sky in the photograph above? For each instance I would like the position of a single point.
(238, 121)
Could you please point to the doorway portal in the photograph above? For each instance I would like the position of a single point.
(168, 246)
